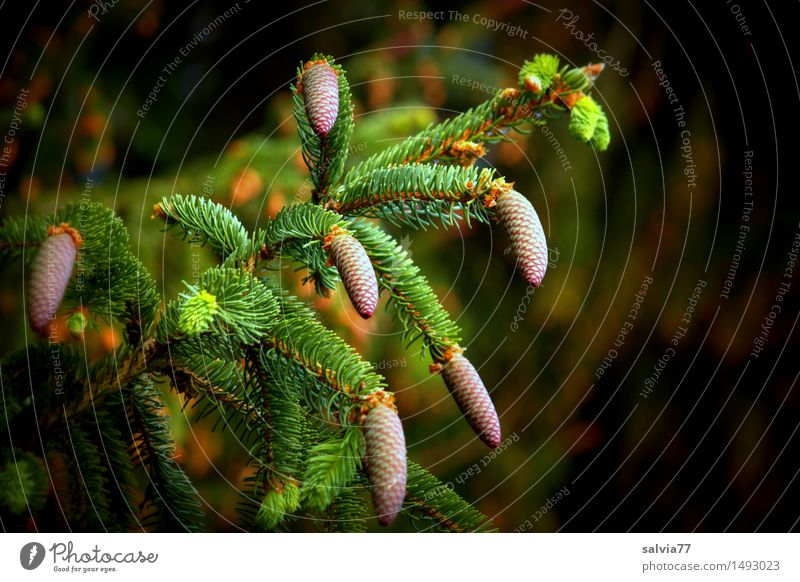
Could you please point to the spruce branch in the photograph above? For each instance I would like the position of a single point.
(317, 419)
(215, 381)
(82, 389)
(544, 92)
(242, 308)
(89, 488)
(105, 423)
(298, 232)
(171, 502)
(357, 395)
(324, 356)
(486, 123)
(201, 219)
(332, 466)
(419, 195)
(281, 450)
(438, 507)
(347, 513)
(305, 222)
(410, 295)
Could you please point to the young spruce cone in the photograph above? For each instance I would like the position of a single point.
(385, 461)
(51, 271)
(525, 232)
(357, 274)
(470, 394)
(321, 95)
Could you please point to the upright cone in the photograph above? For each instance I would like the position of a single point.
(385, 461)
(470, 394)
(321, 95)
(357, 274)
(516, 214)
(51, 271)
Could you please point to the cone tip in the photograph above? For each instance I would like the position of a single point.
(492, 439)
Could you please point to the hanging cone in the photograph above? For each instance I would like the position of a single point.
(321, 95)
(51, 271)
(385, 461)
(525, 232)
(470, 394)
(357, 274)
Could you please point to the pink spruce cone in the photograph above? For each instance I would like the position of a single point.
(525, 232)
(385, 461)
(52, 269)
(357, 274)
(470, 394)
(321, 95)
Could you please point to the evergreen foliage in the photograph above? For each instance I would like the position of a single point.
(170, 501)
(416, 306)
(419, 195)
(242, 351)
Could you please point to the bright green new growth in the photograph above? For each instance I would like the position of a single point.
(276, 505)
(601, 136)
(77, 323)
(583, 118)
(197, 313)
(538, 74)
(333, 466)
(242, 350)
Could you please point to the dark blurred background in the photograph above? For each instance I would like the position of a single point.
(648, 385)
